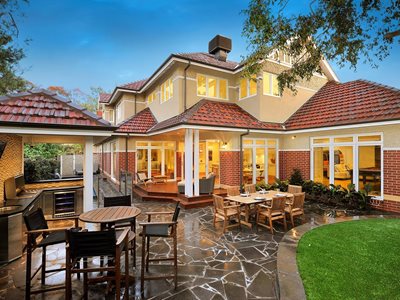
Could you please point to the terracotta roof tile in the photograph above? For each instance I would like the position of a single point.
(43, 107)
(209, 59)
(214, 113)
(136, 85)
(352, 102)
(104, 97)
(139, 123)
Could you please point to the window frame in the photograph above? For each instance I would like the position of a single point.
(163, 90)
(218, 80)
(153, 95)
(270, 77)
(247, 88)
(355, 144)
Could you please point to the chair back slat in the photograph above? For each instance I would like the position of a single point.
(298, 201)
(233, 191)
(117, 201)
(278, 204)
(35, 221)
(251, 188)
(91, 243)
(294, 189)
(176, 213)
(218, 202)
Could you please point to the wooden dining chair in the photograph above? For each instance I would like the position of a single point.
(84, 245)
(225, 211)
(295, 209)
(40, 236)
(293, 189)
(233, 191)
(251, 188)
(125, 200)
(160, 229)
(273, 212)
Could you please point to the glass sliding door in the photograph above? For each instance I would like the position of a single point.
(321, 165)
(271, 165)
(142, 161)
(169, 170)
(213, 159)
(343, 165)
(369, 168)
(247, 165)
(155, 162)
(260, 164)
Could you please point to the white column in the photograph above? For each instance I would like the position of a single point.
(189, 162)
(196, 159)
(88, 175)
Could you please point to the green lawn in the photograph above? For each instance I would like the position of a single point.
(351, 260)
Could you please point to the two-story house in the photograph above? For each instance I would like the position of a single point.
(196, 115)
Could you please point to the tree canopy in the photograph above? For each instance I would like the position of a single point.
(10, 52)
(343, 31)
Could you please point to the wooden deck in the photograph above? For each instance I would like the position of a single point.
(169, 192)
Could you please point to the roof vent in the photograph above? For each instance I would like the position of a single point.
(220, 46)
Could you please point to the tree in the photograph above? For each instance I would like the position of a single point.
(10, 52)
(346, 32)
(88, 101)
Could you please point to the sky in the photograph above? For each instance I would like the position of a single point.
(102, 43)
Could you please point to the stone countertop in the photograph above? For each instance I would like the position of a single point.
(25, 202)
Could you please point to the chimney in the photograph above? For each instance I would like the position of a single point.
(220, 46)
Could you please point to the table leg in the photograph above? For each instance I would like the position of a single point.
(247, 216)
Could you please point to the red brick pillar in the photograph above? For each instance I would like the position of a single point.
(391, 180)
(297, 159)
(229, 167)
(178, 164)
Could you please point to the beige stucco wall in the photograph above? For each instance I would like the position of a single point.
(11, 162)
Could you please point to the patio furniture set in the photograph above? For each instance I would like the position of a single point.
(262, 206)
(116, 237)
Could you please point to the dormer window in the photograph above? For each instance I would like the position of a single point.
(248, 87)
(166, 90)
(212, 87)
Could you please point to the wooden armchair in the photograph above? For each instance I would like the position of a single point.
(39, 235)
(293, 189)
(295, 209)
(225, 211)
(274, 212)
(251, 188)
(141, 177)
(159, 229)
(84, 245)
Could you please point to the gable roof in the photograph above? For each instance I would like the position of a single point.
(217, 114)
(347, 103)
(42, 108)
(104, 97)
(139, 123)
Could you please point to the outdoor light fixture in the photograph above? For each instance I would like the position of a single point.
(224, 145)
(293, 137)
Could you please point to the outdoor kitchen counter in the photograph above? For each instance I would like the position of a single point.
(26, 202)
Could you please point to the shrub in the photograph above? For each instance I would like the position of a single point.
(40, 169)
(296, 178)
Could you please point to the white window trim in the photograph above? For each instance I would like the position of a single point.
(217, 88)
(170, 96)
(270, 76)
(254, 146)
(248, 89)
(154, 93)
(355, 144)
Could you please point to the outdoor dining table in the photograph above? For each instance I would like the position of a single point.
(108, 216)
(255, 198)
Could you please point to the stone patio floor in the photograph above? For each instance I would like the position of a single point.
(238, 264)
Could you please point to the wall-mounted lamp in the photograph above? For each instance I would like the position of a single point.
(224, 145)
(293, 137)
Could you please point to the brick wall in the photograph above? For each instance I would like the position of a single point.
(391, 172)
(131, 162)
(389, 205)
(230, 167)
(11, 160)
(289, 160)
(179, 164)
